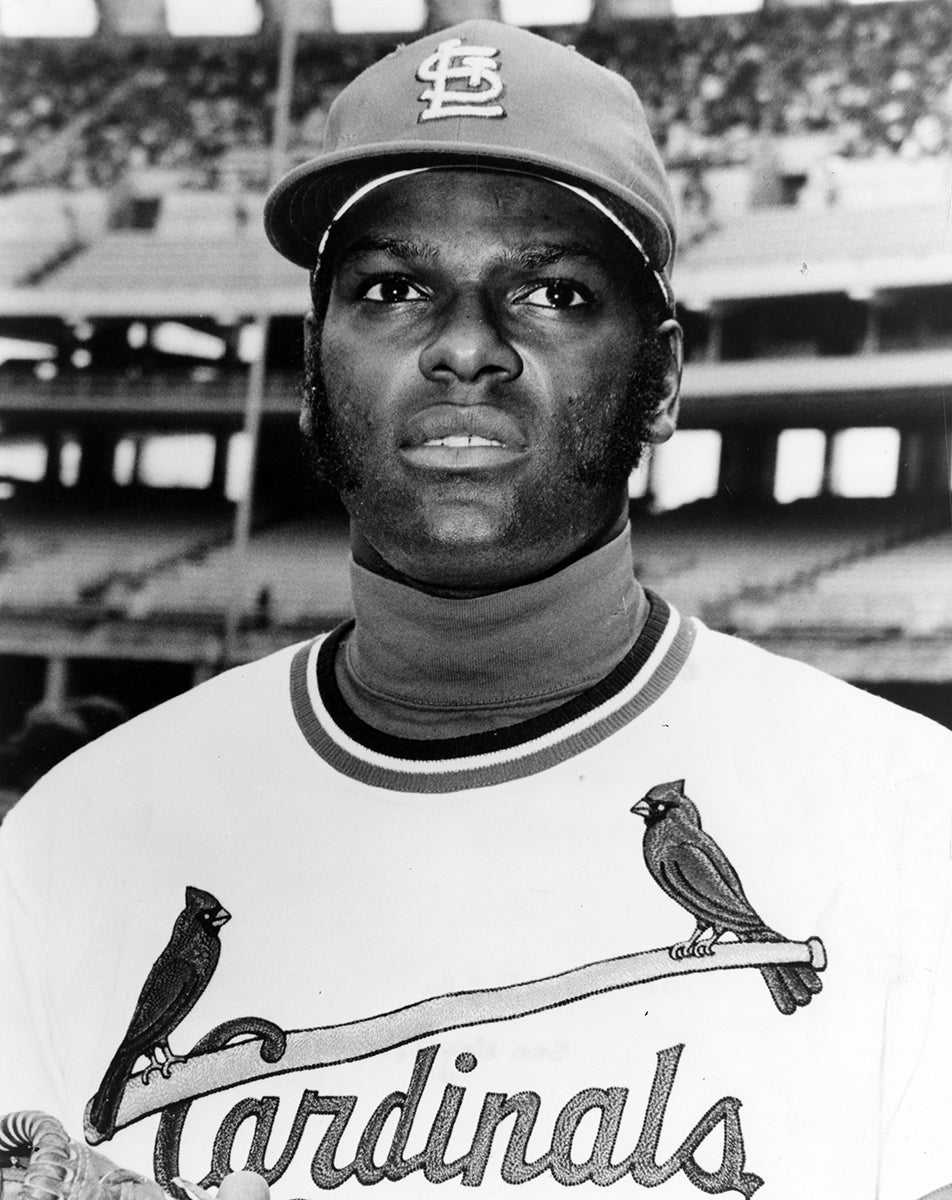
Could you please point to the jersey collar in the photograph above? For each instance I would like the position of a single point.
(356, 750)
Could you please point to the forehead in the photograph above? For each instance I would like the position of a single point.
(468, 209)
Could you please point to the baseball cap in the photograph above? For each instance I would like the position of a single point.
(484, 95)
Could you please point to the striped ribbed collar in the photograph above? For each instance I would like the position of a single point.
(360, 752)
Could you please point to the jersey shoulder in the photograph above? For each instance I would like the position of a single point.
(215, 719)
(767, 691)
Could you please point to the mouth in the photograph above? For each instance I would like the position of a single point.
(221, 917)
(460, 441)
(451, 438)
(641, 809)
(460, 454)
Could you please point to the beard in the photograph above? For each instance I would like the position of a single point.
(465, 533)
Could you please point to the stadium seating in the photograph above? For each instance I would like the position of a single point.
(904, 590)
(95, 557)
(874, 80)
(20, 259)
(785, 234)
(701, 557)
(704, 555)
(140, 261)
(36, 226)
(215, 215)
(300, 565)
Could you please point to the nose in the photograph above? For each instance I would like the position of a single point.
(469, 345)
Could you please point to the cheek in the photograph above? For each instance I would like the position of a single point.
(581, 370)
(340, 366)
(591, 411)
(362, 382)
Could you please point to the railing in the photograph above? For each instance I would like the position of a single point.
(166, 393)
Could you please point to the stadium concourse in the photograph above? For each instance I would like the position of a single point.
(804, 504)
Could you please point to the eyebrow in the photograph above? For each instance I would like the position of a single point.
(408, 249)
(546, 254)
(530, 256)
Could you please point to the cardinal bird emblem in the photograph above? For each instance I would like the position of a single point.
(178, 977)
(692, 869)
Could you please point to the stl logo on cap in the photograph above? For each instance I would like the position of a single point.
(475, 73)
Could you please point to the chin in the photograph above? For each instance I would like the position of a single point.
(468, 527)
(468, 564)
(461, 554)
(473, 544)
(450, 550)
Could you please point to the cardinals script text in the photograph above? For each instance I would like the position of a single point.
(374, 1162)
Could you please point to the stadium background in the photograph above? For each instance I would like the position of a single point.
(156, 522)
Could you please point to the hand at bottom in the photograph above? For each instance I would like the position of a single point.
(239, 1185)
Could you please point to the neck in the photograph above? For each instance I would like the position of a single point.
(420, 665)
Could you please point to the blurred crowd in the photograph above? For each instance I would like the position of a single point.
(876, 80)
(91, 113)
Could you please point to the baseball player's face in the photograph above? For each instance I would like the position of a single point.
(484, 385)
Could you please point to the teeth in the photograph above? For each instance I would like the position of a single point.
(460, 440)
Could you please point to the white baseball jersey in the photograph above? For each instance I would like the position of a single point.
(245, 929)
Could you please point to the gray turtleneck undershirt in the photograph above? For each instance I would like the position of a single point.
(422, 666)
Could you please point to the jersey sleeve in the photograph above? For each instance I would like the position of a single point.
(32, 914)
(916, 1069)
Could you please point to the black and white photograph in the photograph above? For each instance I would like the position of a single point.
(475, 599)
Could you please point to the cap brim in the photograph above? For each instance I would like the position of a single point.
(303, 204)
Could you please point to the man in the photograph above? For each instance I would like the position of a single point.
(520, 877)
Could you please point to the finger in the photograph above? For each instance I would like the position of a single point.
(243, 1185)
(192, 1190)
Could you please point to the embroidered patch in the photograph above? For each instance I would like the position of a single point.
(244, 1049)
(465, 82)
(687, 864)
(176, 982)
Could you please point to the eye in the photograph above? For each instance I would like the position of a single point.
(393, 289)
(557, 293)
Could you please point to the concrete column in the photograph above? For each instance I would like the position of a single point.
(56, 682)
(281, 474)
(231, 335)
(872, 335)
(219, 465)
(713, 350)
(826, 486)
(924, 461)
(96, 464)
(54, 444)
(748, 464)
